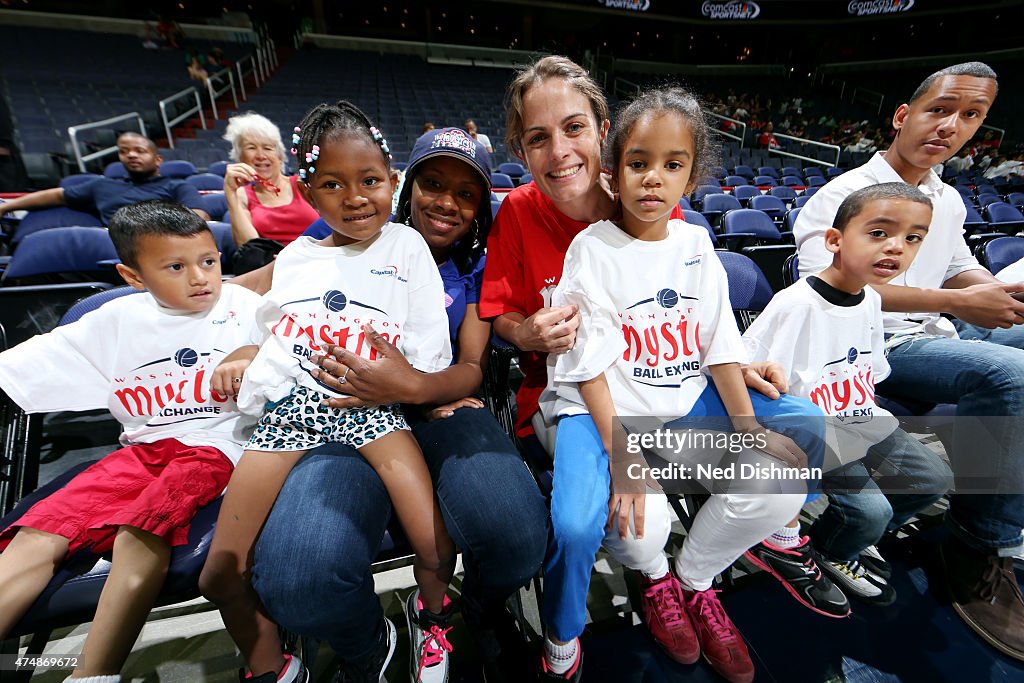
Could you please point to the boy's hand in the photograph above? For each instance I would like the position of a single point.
(766, 377)
(227, 377)
(448, 409)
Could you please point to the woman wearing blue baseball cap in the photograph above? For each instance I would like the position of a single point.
(490, 502)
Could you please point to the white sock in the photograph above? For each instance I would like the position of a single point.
(785, 537)
(116, 678)
(560, 658)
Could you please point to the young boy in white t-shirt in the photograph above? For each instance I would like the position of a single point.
(827, 331)
(152, 360)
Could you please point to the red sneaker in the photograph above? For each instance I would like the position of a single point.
(719, 638)
(667, 620)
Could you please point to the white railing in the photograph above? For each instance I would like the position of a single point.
(73, 132)
(170, 123)
(1001, 132)
(242, 73)
(621, 86)
(805, 141)
(742, 127)
(867, 96)
(228, 86)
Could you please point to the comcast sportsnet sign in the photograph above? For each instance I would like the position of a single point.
(863, 8)
(730, 10)
(635, 5)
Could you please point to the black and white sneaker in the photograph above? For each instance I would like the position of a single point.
(373, 670)
(798, 573)
(875, 563)
(429, 647)
(854, 579)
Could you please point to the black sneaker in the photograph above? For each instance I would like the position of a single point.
(857, 581)
(294, 671)
(504, 653)
(573, 675)
(875, 563)
(373, 670)
(799, 574)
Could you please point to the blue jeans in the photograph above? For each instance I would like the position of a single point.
(312, 561)
(580, 494)
(911, 476)
(983, 373)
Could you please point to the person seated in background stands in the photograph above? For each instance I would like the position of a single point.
(427, 127)
(961, 162)
(195, 63)
(860, 143)
(767, 140)
(470, 127)
(106, 195)
(1004, 167)
(266, 209)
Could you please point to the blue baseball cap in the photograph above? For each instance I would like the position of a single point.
(451, 142)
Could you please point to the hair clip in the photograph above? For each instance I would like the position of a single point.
(294, 152)
(309, 157)
(302, 174)
(312, 169)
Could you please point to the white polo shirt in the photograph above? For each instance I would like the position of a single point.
(944, 253)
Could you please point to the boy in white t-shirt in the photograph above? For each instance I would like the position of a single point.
(152, 360)
(827, 330)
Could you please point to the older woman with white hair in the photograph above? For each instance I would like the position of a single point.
(264, 203)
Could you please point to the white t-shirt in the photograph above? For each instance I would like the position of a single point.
(943, 254)
(653, 315)
(484, 140)
(148, 365)
(834, 356)
(1012, 273)
(324, 295)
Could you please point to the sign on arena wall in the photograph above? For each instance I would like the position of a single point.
(861, 8)
(635, 5)
(733, 9)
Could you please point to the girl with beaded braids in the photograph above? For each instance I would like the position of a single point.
(367, 275)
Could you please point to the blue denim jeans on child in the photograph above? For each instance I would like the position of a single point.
(983, 373)
(312, 563)
(858, 513)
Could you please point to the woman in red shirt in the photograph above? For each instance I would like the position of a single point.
(262, 201)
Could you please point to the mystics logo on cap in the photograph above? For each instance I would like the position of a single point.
(455, 139)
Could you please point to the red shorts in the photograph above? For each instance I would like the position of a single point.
(156, 487)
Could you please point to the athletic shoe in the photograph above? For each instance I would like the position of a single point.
(294, 671)
(875, 563)
(796, 570)
(573, 675)
(667, 620)
(986, 595)
(372, 671)
(856, 581)
(720, 640)
(428, 640)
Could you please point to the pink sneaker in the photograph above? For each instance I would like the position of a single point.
(667, 620)
(719, 638)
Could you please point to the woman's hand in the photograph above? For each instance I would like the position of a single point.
(448, 409)
(388, 379)
(235, 176)
(549, 330)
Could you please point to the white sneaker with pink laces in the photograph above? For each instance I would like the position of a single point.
(428, 640)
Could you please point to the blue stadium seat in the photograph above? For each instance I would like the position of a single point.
(215, 204)
(745, 171)
(1001, 252)
(793, 181)
(501, 181)
(765, 181)
(177, 169)
(714, 205)
(695, 218)
(768, 171)
(771, 205)
(749, 289)
(206, 181)
(74, 254)
(734, 181)
(815, 181)
(745, 192)
(512, 169)
(1016, 199)
(1004, 218)
(703, 191)
(809, 191)
(527, 178)
(791, 170)
(753, 233)
(791, 216)
(54, 217)
(225, 243)
(684, 204)
(786, 194)
(812, 171)
(801, 200)
(220, 168)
